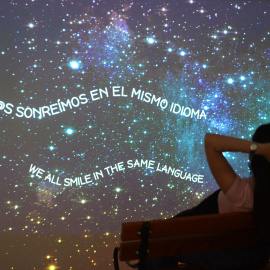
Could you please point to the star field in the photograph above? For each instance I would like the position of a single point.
(87, 95)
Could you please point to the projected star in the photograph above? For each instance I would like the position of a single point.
(31, 25)
(74, 64)
(70, 131)
(151, 40)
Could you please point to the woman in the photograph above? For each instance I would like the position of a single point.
(235, 195)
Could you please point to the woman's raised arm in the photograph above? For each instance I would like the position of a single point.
(215, 145)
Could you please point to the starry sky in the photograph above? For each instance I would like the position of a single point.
(104, 106)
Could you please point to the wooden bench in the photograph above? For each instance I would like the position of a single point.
(158, 238)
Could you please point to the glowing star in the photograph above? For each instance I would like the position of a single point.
(242, 78)
(52, 267)
(151, 40)
(83, 201)
(74, 64)
(31, 25)
(201, 11)
(69, 131)
(118, 189)
(182, 53)
(230, 81)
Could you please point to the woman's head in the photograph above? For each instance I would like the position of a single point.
(259, 165)
(262, 134)
(260, 168)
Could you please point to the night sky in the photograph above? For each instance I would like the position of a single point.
(104, 106)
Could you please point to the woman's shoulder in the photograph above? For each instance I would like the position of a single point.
(240, 195)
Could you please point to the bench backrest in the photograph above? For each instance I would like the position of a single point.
(189, 234)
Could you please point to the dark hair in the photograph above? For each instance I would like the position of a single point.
(260, 168)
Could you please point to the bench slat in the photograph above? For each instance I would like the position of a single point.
(189, 225)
